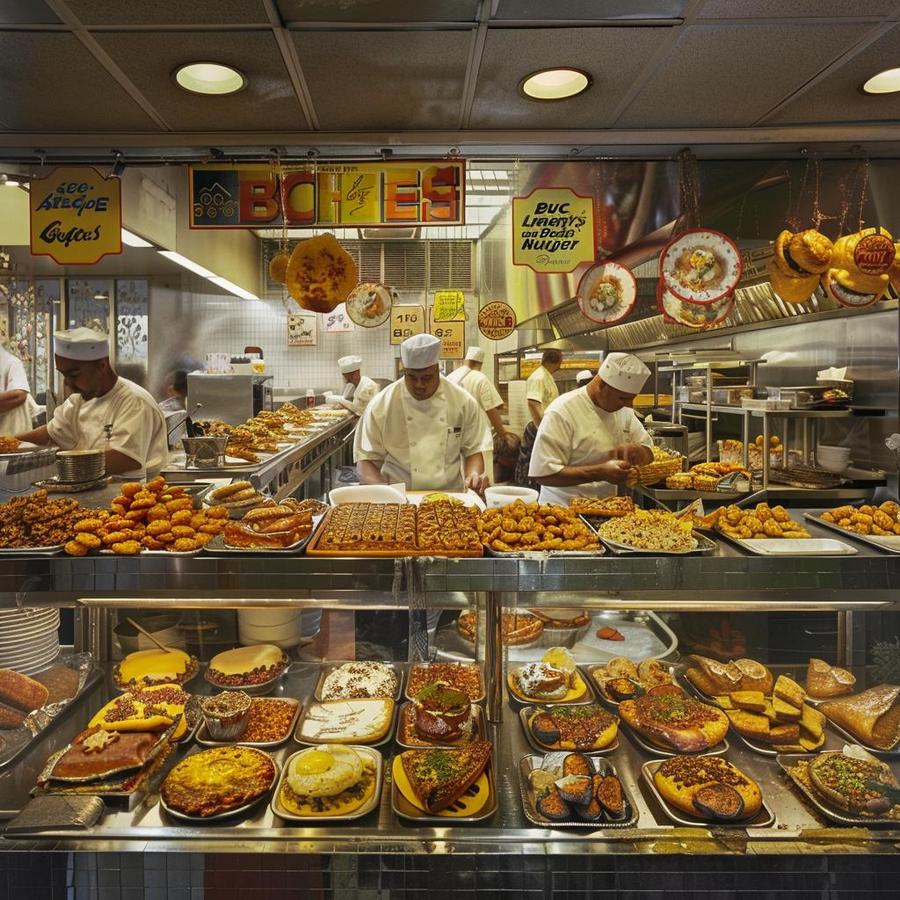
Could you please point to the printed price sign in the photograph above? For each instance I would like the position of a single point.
(302, 331)
(449, 306)
(497, 320)
(337, 321)
(405, 322)
(453, 338)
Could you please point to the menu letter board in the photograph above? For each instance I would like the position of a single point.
(553, 230)
(405, 322)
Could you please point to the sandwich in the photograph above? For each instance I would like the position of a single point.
(438, 778)
(798, 262)
(859, 273)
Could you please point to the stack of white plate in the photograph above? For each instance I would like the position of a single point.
(29, 640)
(279, 626)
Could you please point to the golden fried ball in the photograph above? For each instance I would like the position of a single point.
(185, 545)
(179, 503)
(130, 488)
(217, 512)
(159, 526)
(152, 544)
(182, 517)
(183, 531)
(126, 548)
(157, 511)
(76, 548)
(91, 541)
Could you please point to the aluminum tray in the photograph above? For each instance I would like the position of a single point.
(640, 741)
(790, 546)
(517, 699)
(477, 731)
(309, 742)
(205, 740)
(763, 819)
(787, 761)
(601, 767)
(704, 545)
(54, 550)
(880, 542)
(326, 670)
(218, 546)
(526, 711)
(476, 699)
(539, 554)
(373, 802)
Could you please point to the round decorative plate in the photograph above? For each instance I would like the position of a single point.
(701, 266)
(693, 315)
(369, 304)
(607, 293)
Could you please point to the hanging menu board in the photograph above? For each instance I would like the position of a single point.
(405, 322)
(553, 230)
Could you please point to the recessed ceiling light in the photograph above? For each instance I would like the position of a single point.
(886, 82)
(209, 78)
(555, 84)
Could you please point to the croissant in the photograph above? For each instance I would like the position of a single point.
(872, 717)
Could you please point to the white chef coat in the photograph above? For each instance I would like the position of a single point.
(575, 432)
(482, 389)
(13, 378)
(138, 425)
(357, 399)
(541, 386)
(422, 442)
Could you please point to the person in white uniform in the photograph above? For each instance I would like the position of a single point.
(15, 395)
(422, 430)
(472, 380)
(358, 390)
(103, 411)
(590, 437)
(540, 388)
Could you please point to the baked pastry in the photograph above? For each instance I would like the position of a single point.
(144, 668)
(153, 709)
(705, 786)
(442, 714)
(439, 777)
(462, 676)
(555, 677)
(562, 618)
(331, 780)
(851, 783)
(587, 728)
(246, 666)
(675, 721)
(605, 507)
(21, 692)
(824, 680)
(361, 721)
(872, 717)
(320, 273)
(360, 679)
(96, 754)
(517, 628)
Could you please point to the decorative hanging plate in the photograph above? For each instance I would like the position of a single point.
(607, 293)
(701, 266)
(693, 315)
(369, 304)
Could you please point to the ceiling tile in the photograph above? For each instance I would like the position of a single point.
(385, 79)
(35, 95)
(268, 102)
(612, 56)
(25, 12)
(722, 75)
(169, 12)
(581, 10)
(788, 9)
(838, 98)
(378, 10)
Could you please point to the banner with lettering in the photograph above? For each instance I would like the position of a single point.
(347, 195)
(553, 230)
(76, 216)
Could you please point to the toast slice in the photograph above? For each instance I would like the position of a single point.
(749, 724)
(788, 690)
(785, 712)
(789, 733)
(812, 723)
(812, 744)
(439, 777)
(754, 701)
(769, 711)
(723, 701)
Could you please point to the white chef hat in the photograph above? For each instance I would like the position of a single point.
(476, 354)
(584, 376)
(81, 343)
(624, 372)
(420, 351)
(348, 364)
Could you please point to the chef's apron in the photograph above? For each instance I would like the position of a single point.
(487, 454)
(18, 420)
(434, 445)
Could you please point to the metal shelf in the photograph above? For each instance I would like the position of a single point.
(786, 413)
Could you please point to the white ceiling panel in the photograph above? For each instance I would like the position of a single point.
(378, 10)
(169, 12)
(838, 98)
(586, 10)
(786, 9)
(724, 76)
(384, 79)
(267, 103)
(25, 12)
(48, 82)
(612, 56)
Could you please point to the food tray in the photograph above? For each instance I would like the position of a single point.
(309, 742)
(880, 542)
(254, 690)
(515, 698)
(477, 731)
(763, 819)
(364, 810)
(644, 744)
(405, 810)
(601, 767)
(790, 546)
(788, 761)
(32, 551)
(603, 697)
(479, 698)
(205, 740)
(326, 670)
(55, 486)
(218, 547)
(704, 545)
(144, 552)
(526, 711)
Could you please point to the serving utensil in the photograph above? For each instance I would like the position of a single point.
(147, 635)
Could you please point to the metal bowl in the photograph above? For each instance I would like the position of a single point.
(80, 465)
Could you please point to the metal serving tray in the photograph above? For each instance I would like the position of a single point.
(218, 546)
(790, 546)
(54, 550)
(326, 670)
(601, 767)
(763, 819)
(477, 666)
(477, 731)
(310, 742)
(640, 741)
(517, 699)
(540, 554)
(880, 542)
(704, 545)
(205, 740)
(524, 714)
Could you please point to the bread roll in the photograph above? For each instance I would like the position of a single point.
(21, 692)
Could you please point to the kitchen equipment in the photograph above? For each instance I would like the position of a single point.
(79, 466)
(673, 437)
(500, 495)
(206, 452)
(228, 398)
(810, 396)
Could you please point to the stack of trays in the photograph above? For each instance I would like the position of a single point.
(80, 466)
(28, 639)
(279, 626)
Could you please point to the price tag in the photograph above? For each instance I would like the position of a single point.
(337, 321)
(405, 322)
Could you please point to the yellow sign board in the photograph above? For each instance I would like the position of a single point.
(76, 216)
(405, 322)
(449, 306)
(453, 338)
(553, 230)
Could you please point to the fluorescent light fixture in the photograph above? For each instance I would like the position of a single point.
(187, 263)
(232, 288)
(886, 82)
(130, 238)
(209, 78)
(555, 84)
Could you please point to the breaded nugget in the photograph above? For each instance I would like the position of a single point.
(130, 488)
(183, 531)
(76, 548)
(126, 548)
(116, 537)
(185, 545)
(91, 541)
(159, 526)
(152, 544)
(167, 538)
(88, 525)
(179, 503)
(182, 517)
(217, 512)
(158, 511)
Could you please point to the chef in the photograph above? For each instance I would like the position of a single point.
(15, 395)
(472, 380)
(103, 411)
(540, 388)
(359, 389)
(423, 430)
(589, 438)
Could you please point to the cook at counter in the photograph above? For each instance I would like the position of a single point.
(540, 387)
(422, 430)
(590, 437)
(103, 411)
(359, 389)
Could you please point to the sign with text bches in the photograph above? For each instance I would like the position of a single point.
(553, 230)
(405, 322)
(453, 338)
(76, 216)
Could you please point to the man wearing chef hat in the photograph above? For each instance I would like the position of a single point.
(472, 380)
(359, 389)
(590, 438)
(423, 430)
(103, 411)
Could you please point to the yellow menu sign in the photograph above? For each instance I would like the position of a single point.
(405, 322)
(76, 216)
(449, 306)
(553, 230)
(453, 338)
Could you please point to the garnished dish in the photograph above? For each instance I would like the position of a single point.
(464, 677)
(369, 304)
(360, 721)
(153, 709)
(700, 265)
(517, 628)
(872, 717)
(882, 520)
(621, 679)
(328, 782)
(145, 668)
(555, 678)
(248, 668)
(532, 526)
(649, 530)
(690, 314)
(824, 680)
(762, 522)
(356, 680)
(607, 293)
(708, 788)
(217, 782)
(587, 728)
(672, 721)
(438, 715)
(443, 782)
(602, 507)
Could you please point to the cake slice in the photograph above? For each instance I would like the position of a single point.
(440, 777)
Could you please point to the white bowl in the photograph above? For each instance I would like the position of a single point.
(835, 466)
(264, 618)
(285, 643)
(367, 493)
(830, 450)
(502, 494)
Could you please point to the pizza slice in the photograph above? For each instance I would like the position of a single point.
(440, 777)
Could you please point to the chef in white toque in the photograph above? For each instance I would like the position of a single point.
(358, 390)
